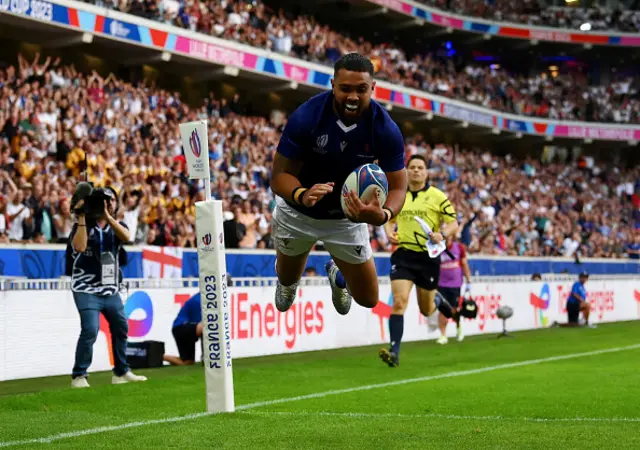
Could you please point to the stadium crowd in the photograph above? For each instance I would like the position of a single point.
(535, 12)
(565, 97)
(563, 208)
(52, 117)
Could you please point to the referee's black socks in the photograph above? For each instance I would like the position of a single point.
(396, 328)
(443, 306)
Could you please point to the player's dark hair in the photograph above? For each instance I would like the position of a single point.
(420, 157)
(353, 62)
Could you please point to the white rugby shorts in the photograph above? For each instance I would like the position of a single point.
(295, 233)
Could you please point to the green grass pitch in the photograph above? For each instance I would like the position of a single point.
(483, 393)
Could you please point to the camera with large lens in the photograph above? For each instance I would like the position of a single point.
(94, 199)
(94, 204)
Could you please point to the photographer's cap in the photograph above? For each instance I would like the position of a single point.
(109, 192)
(584, 274)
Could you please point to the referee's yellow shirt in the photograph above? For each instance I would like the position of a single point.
(432, 206)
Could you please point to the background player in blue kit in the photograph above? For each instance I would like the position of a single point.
(324, 140)
(577, 302)
(187, 330)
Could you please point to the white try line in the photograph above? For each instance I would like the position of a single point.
(356, 415)
(72, 434)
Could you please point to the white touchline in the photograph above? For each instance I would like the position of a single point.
(72, 434)
(357, 415)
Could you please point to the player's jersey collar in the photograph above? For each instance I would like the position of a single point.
(414, 194)
(426, 186)
(344, 127)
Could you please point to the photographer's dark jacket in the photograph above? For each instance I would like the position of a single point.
(86, 269)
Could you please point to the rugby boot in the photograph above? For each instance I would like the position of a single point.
(285, 295)
(340, 296)
(389, 358)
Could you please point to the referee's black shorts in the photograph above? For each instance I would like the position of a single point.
(417, 267)
(186, 337)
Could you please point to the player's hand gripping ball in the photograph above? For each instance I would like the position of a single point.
(366, 182)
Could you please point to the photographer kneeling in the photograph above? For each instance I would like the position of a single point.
(95, 278)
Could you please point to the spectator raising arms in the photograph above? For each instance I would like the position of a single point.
(131, 140)
(565, 97)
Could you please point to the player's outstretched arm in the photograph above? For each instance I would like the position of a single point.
(285, 183)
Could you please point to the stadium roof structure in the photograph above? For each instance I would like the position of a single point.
(66, 23)
(417, 27)
(408, 13)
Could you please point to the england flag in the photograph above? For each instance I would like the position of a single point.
(161, 262)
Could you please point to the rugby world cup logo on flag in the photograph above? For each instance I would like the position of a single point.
(194, 143)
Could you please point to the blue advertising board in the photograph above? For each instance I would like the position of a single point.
(46, 262)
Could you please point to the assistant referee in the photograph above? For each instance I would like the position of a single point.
(410, 263)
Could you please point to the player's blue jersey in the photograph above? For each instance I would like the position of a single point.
(331, 150)
(578, 288)
(191, 312)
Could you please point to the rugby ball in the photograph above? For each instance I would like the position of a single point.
(365, 181)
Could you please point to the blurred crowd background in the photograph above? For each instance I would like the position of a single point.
(52, 117)
(568, 96)
(624, 16)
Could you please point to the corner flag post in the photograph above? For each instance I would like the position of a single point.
(216, 333)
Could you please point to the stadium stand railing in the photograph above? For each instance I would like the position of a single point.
(64, 284)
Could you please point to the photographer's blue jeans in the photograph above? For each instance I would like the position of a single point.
(90, 306)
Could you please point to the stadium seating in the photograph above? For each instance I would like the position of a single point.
(534, 12)
(562, 97)
(129, 135)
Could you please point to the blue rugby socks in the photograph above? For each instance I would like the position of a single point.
(396, 328)
(340, 280)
